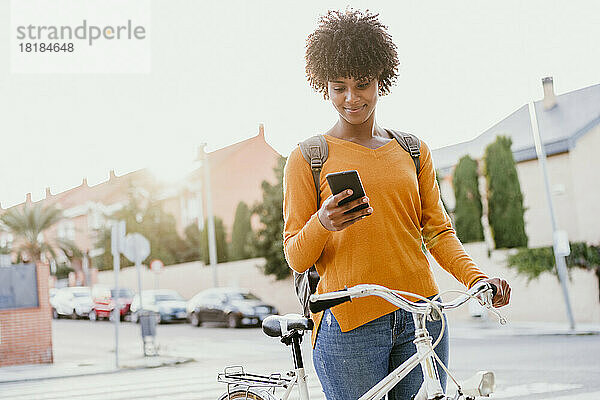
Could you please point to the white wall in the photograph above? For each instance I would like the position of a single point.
(190, 278)
(585, 172)
(539, 300)
(538, 225)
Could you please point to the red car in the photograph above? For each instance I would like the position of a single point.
(104, 302)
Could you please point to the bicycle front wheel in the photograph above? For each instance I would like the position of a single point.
(251, 394)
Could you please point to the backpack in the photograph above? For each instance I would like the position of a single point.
(315, 151)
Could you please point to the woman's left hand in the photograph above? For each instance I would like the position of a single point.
(502, 296)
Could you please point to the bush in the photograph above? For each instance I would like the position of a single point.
(533, 262)
(505, 201)
(468, 211)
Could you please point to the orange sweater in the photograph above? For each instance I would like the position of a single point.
(384, 248)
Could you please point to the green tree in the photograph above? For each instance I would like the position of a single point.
(437, 179)
(467, 214)
(28, 226)
(144, 215)
(63, 270)
(268, 241)
(192, 250)
(534, 262)
(221, 243)
(240, 233)
(505, 201)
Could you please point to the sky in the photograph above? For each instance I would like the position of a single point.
(218, 69)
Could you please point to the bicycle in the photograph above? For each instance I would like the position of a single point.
(291, 327)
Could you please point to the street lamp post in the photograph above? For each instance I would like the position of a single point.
(212, 245)
(85, 266)
(559, 254)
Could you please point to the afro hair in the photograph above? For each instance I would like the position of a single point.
(350, 44)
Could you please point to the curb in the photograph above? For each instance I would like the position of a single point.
(467, 332)
(124, 368)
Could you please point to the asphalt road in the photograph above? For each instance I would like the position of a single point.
(534, 367)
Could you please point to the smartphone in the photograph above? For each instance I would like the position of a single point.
(340, 181)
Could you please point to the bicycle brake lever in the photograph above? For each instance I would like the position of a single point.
(487, 302)
(501, 319)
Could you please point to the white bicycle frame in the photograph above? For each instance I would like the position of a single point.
(300, 380)
(431, 389)
(424, 354)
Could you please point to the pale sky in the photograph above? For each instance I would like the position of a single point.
(220, 68)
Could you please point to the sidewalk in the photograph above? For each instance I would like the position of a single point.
(23, 373)
(491, 327)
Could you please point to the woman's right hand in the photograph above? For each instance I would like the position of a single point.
(332, 215)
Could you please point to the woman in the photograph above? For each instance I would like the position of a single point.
(352, 60)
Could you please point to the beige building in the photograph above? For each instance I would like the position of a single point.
(237, 172)
(569, 126)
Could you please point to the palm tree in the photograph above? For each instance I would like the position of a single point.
(28, 225)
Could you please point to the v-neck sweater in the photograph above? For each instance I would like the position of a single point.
(384, 248)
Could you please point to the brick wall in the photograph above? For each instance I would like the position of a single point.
(26, 333)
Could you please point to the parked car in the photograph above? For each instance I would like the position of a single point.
(75, 302)
(51, 295)
(168, 305)
(104, 302)
(234, 306)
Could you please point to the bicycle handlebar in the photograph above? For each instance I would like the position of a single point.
(320, 302)
(321, 305)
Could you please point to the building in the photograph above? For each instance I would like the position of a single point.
(569, 126)
(236, 171)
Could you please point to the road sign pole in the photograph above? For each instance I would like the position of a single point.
(117, 236)
(138, 268)
(116, 268)
(137, 249)
(561, 266)
(156, 266)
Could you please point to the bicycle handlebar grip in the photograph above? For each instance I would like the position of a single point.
(494, 290)
(491, 287)
(321, 305)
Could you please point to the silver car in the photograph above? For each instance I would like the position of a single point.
(74, 302)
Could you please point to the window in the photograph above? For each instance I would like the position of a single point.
(6, 239)
(96, 219)
(191, 211)
(66, 230)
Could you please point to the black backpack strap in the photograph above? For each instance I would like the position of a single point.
(315, 151)
(411, 144)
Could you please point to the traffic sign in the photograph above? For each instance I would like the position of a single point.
(136, 248)
(561, 243)
(156, 265)
(117, 237)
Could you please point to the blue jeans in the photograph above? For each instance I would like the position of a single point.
(350, 363)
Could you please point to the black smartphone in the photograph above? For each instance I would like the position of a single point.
(340, 181)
